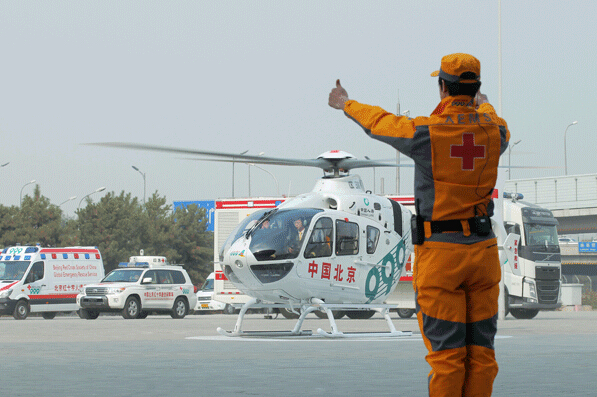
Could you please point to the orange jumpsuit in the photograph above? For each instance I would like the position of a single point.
(456, 274)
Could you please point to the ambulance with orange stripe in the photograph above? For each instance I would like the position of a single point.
(45, 280)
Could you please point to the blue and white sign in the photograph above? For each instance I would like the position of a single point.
(210, 208)
(587, 247)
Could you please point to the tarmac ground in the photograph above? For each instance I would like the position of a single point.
(554, 354)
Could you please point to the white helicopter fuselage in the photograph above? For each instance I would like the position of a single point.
(353, 248)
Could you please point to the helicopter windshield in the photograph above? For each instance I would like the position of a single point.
(242, 227)
(281, 235)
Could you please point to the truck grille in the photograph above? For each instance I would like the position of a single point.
(547, 273)
(548, 290)
(95, 291)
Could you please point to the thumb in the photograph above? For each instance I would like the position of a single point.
(338, 84)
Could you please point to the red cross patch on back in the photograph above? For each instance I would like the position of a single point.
(468, 151)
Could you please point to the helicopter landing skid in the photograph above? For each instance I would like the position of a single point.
(305, 310)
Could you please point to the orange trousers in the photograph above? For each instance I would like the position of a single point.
(457, 288)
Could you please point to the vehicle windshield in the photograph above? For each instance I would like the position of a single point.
(123, 276)
(541, 234)
(13, 270)
(242, 227)
(281, 236)
(208, 285)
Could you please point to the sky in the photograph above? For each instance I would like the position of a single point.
(236, 76)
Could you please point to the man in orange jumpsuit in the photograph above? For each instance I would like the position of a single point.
(457, 271)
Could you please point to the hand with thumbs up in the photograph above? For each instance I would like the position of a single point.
(338, 96)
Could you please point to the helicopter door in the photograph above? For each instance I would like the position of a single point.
(347, 237)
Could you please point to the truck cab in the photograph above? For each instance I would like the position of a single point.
(532, 281)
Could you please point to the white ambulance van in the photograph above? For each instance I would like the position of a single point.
(45, 280)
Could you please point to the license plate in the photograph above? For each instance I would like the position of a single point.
(204, 305)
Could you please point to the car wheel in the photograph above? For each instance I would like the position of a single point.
(360, 314)
(406, 313)
(180, 308)
(132, 308)
(336, 313)
(48, 315)
(228, 309)
(21, 310)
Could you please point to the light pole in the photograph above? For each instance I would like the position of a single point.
(144, 184)
(67, 200)
(100, 189)
(28, 183)
(233, 172)
(251, 164)
(565, 160)
(509, 154)
(272, 175)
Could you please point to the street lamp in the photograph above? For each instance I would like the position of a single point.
(101, 189)
(233, 171)
(144, 184)
(509, 154)
(272, 175)
(565, 160)
(251, 164)
(67, 200)
(28, 183)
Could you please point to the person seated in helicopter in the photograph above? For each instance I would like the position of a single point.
(296, 240)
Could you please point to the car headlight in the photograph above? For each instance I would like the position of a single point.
(115, 290)
(5, 294)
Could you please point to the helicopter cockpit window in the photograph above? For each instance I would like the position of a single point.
(242, 227)
(283, 236)
(372, 239)
(320, 242)
(347, 238)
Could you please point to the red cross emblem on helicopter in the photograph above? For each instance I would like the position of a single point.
(468, 151)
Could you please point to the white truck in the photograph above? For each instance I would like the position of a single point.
(205, 297)
(228, 216)
(531, 280)
(45, 280)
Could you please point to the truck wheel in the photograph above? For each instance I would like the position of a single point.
(48, 315)
(506, 302)
(288, 314)
(180, 308)
(360, 314)
(406, 313)
(524, 314)
(228, 309)
(88, 314)
(21, 310)
(336, 313)
(132, 308)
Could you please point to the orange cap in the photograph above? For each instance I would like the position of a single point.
(454, 65)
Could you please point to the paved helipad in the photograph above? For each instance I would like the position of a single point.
(554, 354)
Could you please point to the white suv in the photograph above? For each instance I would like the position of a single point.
(138, 288)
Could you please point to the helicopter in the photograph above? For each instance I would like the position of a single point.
(336, 248)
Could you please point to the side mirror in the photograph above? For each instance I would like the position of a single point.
(146, 280)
